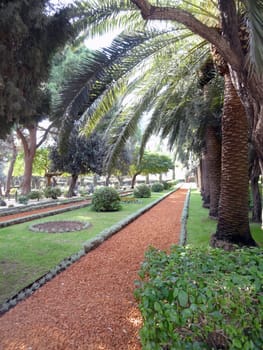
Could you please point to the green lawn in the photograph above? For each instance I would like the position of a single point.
(25, 255)
(200, 226)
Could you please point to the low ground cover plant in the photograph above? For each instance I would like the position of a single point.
(128, 200)
(142, 191)
(201, 299)
(106, 199)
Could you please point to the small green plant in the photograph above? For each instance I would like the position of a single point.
(106, 199)
(52, 192)
(157, 187)
(201, 299)
(22, 199)
(142, 191)
(35, 195)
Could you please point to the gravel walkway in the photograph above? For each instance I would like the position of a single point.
(90, 306)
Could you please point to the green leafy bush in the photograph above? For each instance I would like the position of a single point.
(106, 199)
(201, 299)
(157, 187)
(142, 191)
(167, 185)
(52, 192)
(22, 199)
(35, 195)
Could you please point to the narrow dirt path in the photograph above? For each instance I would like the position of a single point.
(91, 306)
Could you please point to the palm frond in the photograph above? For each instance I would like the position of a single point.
(255, 22)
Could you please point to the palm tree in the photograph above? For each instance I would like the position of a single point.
(157, 86)
(245, 66)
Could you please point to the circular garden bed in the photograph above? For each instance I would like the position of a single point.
(59, 226)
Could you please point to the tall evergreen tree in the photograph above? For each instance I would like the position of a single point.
(30, 35)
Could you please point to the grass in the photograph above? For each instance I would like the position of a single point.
(25, 255)
(200, 226)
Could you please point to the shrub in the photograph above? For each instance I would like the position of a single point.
(2, 203)
(35, 195)
(142, 191)
(22, 199)
(52, 192)
(157, 187)
(167, 185)
(106, 199)
(201, 299)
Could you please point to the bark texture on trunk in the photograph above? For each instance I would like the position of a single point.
(29, 147)
(73, 182)
(257, 206)
(233, 222)
(133, 180)
(213, 146)
(255, 188)
(11, 168)
(205, 180)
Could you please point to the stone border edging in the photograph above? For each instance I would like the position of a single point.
(65, 263)
(184, 217)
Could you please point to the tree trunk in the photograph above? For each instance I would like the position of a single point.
(213, 146)
(205, 180)
(198, 176)
(29, 147)
(11, 169)
(257, 206)
(107, 180)
(120, 179)
(233, 222)
(73, 182)
(133, 180)
(147, 179)
(95, 180)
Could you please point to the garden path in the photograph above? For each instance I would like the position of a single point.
(91, 306)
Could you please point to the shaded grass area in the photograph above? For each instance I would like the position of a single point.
(200, 226)
(25, 255)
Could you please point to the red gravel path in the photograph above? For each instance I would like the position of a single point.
(90, 306)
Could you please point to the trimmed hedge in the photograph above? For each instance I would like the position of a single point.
(52, 192)
(142, 191)
(157, 187)
(201, 299)
(106, 199)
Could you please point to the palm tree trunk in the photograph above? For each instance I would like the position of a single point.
(205, 180)
(214, 168)
(233, 222)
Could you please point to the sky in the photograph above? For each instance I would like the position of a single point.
(98, 41)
